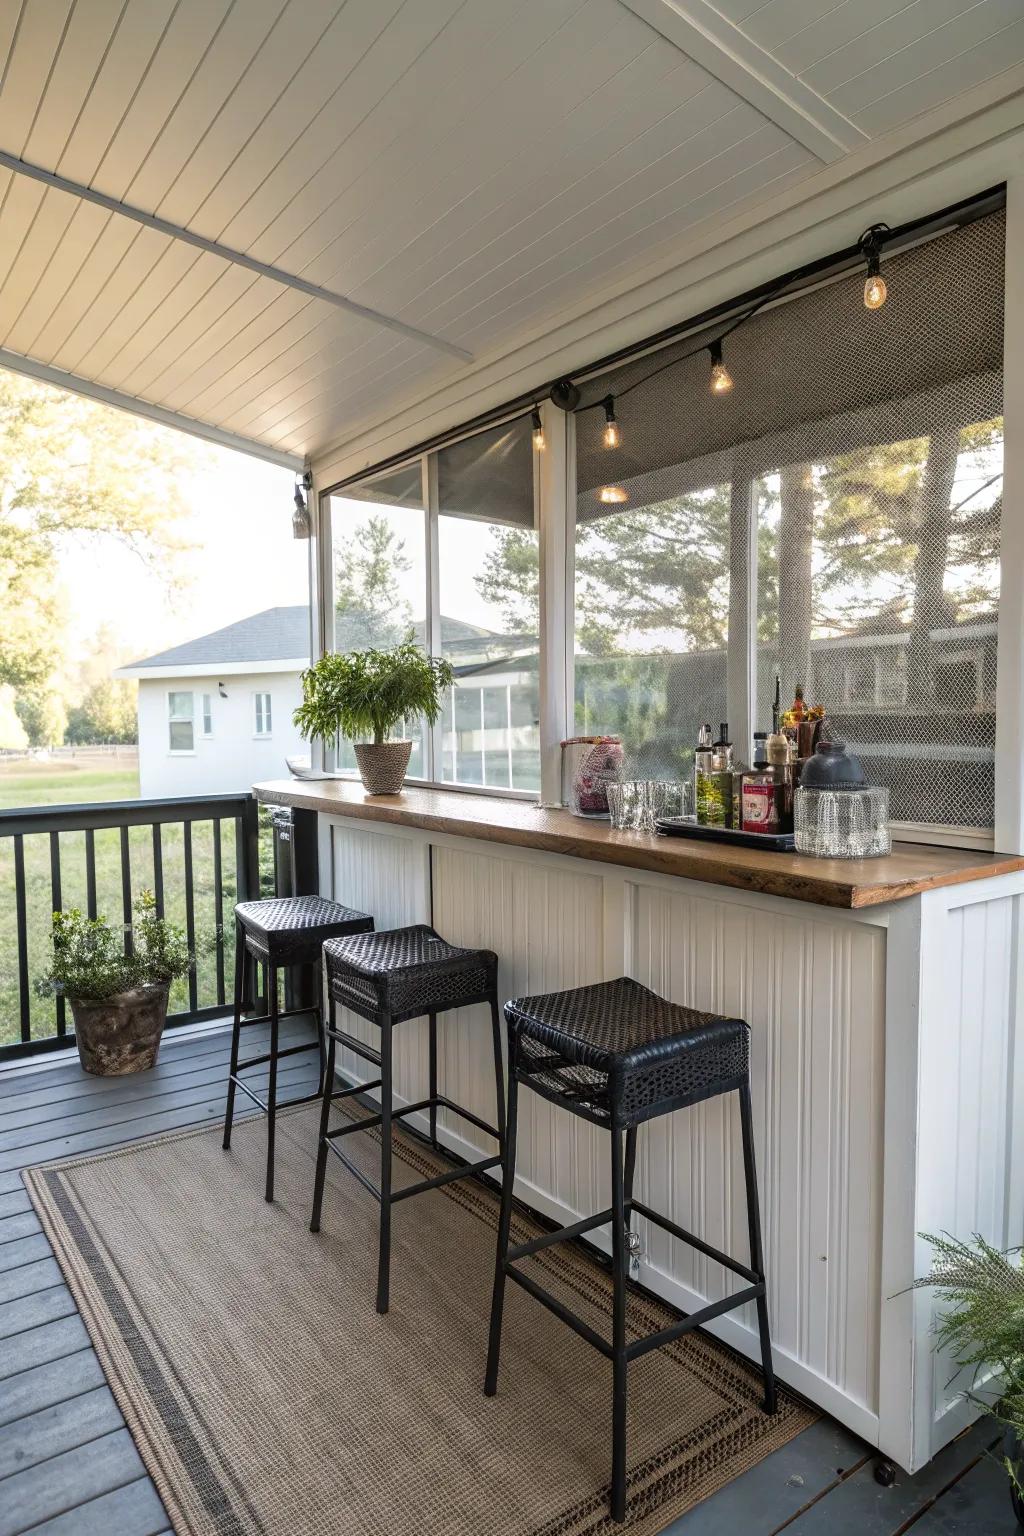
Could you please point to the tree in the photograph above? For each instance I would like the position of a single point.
(107, 713)
(42, 715)
(73, 470)
(371, 611)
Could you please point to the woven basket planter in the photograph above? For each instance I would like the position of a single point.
(121, 1034)
(382, 765)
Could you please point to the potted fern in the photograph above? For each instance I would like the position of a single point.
(983, 1327)
(118, 991)
(363, 695)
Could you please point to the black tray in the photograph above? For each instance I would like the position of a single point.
(685, 826)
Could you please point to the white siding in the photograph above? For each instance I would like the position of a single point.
(233, 757)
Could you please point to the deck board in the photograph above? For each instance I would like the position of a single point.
(67, 1463)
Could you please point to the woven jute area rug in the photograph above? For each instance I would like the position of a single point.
(267, 1397)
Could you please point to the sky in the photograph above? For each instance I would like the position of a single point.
(243, 559)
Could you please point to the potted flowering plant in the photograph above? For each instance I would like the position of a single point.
(363, 695)
(118, 991)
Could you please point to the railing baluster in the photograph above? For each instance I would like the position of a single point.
(190, 915)
(158, 870)
(90, 871)
(56, 903)
(22, 923)
(218, 905)
(126, 891)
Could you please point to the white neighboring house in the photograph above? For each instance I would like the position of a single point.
(215, 714)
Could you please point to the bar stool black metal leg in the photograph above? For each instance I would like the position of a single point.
(508, 1178)
(325, 1116)
(499, 1073)
(321, 1027)
(432, 1091)
(272, 1083)
(236, 1032)
(756, 1250)
(384, 1256)
(620, 1254)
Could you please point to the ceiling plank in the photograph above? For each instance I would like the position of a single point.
(214, 248)
(705, 36)
(93, 391)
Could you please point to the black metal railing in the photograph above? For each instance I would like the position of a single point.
(197, 854)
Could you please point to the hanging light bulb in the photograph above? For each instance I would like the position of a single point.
(721, 378)
(612, 495)
(538, 430)
(612, 437)
(875, 290)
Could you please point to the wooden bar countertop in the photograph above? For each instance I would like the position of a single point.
(910, 868)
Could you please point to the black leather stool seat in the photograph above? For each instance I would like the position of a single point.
(291, 930)
(404, 972)
(619, 1054)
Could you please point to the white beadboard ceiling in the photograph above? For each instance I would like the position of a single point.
(465, 168)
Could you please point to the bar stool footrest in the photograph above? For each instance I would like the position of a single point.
(559, 1235)
(695, 1242)
(282, 1104)
(261, 1061)
(693, 1320)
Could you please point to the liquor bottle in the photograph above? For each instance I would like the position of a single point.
(702, 768)
(777, 705)
(720, 799)
(760, 758)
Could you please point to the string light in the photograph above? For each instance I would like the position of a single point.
(612, 436)
(538, 430)
(721, 378)
(612, 495)
(875, 290)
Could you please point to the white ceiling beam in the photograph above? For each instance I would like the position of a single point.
(226, 253)
(93, 391)
(713, 42)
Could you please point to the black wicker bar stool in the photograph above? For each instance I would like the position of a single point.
(387, 978)
(290, 930)
(618, 1054)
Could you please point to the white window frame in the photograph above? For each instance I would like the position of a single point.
(262, 713)
(434, 751)
(190, 719)
(206, 715)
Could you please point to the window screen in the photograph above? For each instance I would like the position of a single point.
(834, 517)
(488, 578)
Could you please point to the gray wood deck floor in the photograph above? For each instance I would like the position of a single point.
(68, 1466)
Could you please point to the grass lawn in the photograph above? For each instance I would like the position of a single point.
(86, 781)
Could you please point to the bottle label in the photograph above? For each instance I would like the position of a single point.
(760, 808)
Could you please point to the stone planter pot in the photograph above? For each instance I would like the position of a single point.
(382, 765)
(121, 1034)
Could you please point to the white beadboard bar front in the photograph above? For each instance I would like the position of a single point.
(887, 1083)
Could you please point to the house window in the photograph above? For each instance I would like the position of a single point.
(262, 722)
(207, 714)
(181, 722)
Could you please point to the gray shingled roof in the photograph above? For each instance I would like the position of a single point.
(276, 634)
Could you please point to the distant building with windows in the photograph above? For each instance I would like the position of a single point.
(215, 714)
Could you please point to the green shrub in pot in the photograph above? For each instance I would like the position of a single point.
(982, 1326)
(363, 695)
(117, 991)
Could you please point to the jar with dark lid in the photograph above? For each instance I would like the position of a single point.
(832, 767)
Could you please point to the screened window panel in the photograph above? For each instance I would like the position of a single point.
(380, 581)
(652, 589)
(489, 609)
(861, 454)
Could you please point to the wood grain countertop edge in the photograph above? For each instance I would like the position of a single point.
(656, 855)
